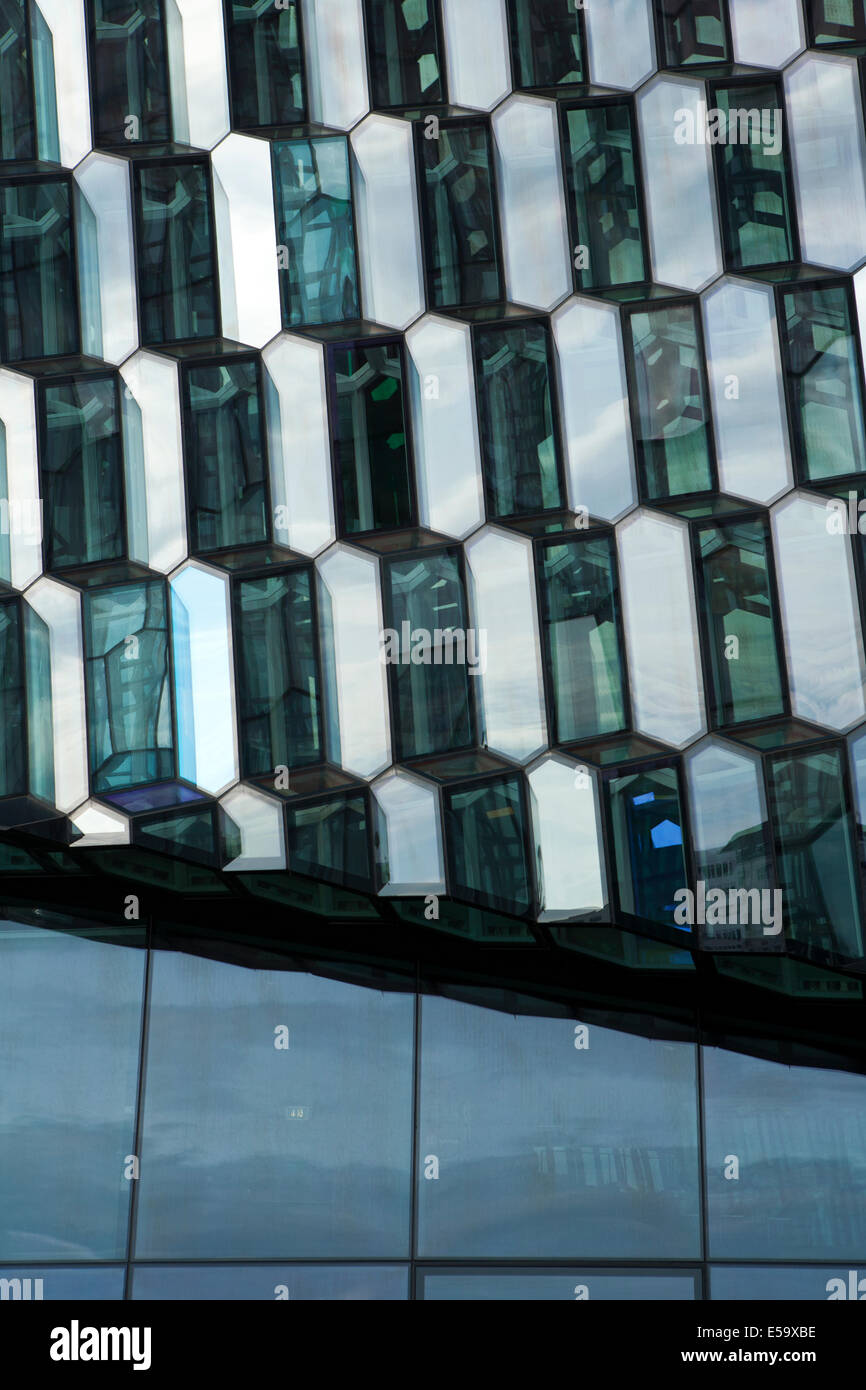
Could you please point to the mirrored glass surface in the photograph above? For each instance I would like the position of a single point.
(316, 225)
(245, 1283)
(129, 72)
(177, 284)
(458, 215)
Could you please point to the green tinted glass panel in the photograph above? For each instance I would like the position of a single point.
(673, 420)
(486, 831)
(836, 21)
(601, 170)
(404, 51)
(129, 71)
(824, 382)
(331, 840)
(756, 198)
(516, 413)
(226, 457)
(739, 622)
(176, 266)
(279, 709)
(580, 632)
(458, 216)
(316, 226)
(13, 745)
(266, 69)
(129, 715)
(692, 31)
(815, 851)
(432, 655)
(546, 42)
(370, 442)
(37, 271)
(81, 464)
(40, 726)
(647, 825)
(17, 132)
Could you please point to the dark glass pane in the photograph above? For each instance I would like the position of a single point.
(70, 1022)
(458, 216)
(370, 436)
(265, 63)
(316, 226)
(297, 1283)
(693, 31)
(486, 834)
(756, 197)
(404, 51)
(546, 42)
(37, 271)
(836, 21)
(740, 622)
(673, 420)
(330, 840)
(650, 859)
(226, 456)
(17, 129)
(519, 447)
(279, 709)
(69, 1283)
(176, 266)
(558, 1285)
(431, 667)
(13, 744)
(816, 854)
(824, 382)
(40, 726)
(604, 194)
(129, 716)
(784, 1284)
(580, 634)
(183, 834)
(81, 464)
(129, 72)
(255, 1151)
(799, 1134)
(555, 1140)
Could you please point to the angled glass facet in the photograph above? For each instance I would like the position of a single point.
(486, 835)
(226, 456)
(331, 840)
(81, 466)
(580, 631)
(279, 696)
(647, 823)
(17, 128)
(371, 445)
(604, 190)
(129, 72)
(404, 51)
(458, 215)
(431, 656)
(692, 32)
(266, 67)
(316, 226)
(824, 376)
(756, 198)
(38, 293)
(517, 417)
(177, 285)
(672, 409)
(546, 42)
(13, 701)
(833, 22)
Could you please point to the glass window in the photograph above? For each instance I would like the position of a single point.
(486, 835)
(81, 466)
(458, 215)
(13, 702)
(429, 672)
(836, 22)
(799, 1136)
(297, 1283)
(316, 230)
(604, 194)
(70, 1283)
(129, 72)
(226, 457)
(755, 191)
(26, 741)
(517, 417)
(815, 851)
(279, 695)
(331, 840)
(126, 669)
(547, 42)
(255, 1150)
(824, 376)
(70, 1023)
(647, 822)
(580, 629)
(266, 66)
(17, 124)
(692, 31)
(736, 599)
(554, 1139)
(177, 286)
(565, 1285)
(37, 270)
(404, 52)
(370, 433)
(670, 401)
(783, 1284)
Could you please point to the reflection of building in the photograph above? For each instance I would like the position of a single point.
(309, 329)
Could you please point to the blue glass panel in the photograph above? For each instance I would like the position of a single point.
(295, 1283)
(316, 226)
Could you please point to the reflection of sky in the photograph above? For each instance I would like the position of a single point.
(769, 1283)
(244, 1283)
(59, 1282)
(532, 1288)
